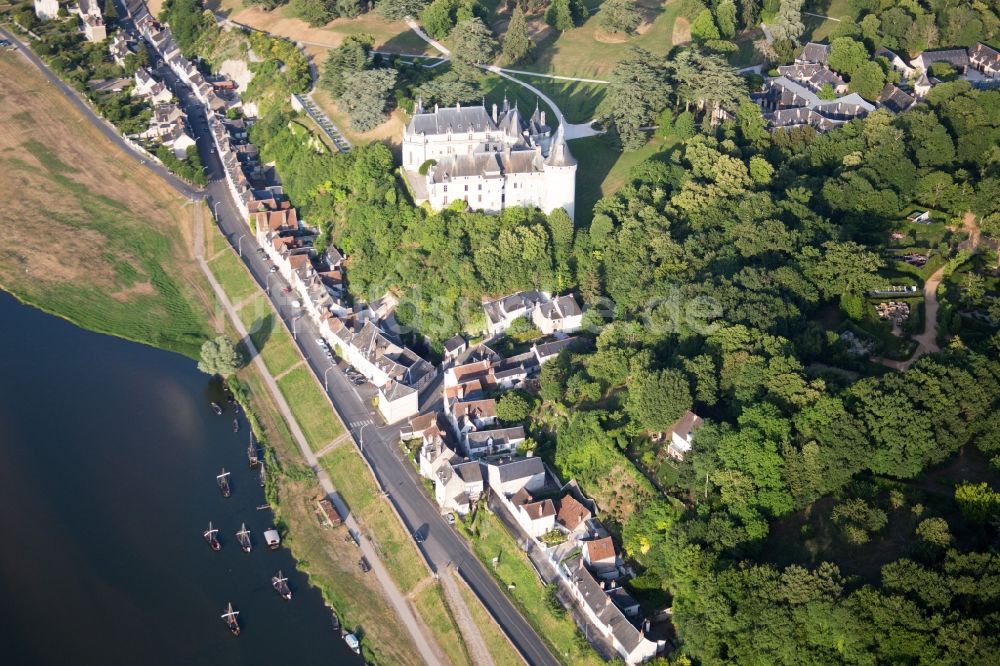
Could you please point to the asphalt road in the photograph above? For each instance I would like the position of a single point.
(440, 543)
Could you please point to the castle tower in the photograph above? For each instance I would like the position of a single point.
(560, 175)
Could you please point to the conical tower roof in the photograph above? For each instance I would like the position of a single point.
(559, 155)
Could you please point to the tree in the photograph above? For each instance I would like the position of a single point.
(703, 27)
(788, 23)
(313, 12)
(707, 81)
(978, 502)
(439, 17)
(396, 10)
(657, 399)
(564, 15)
(219, 357)
(473, 42)
(365, 96)
(449, 89)
(725, 18)
(348, 58)
(749, 13)
(517, 45)
(847, 55)
(858, 520)
(761, 170)
(842, 269)
(513, 408)
(868, 80)
(110, 11)
(637, 92)
(934, 532)
(620, 16)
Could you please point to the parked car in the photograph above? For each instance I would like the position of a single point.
(450, 517)
(296, 304)
(321, 342)
(274, 269)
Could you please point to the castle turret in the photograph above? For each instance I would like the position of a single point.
(560, 175)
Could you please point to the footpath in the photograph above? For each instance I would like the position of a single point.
(396, 599)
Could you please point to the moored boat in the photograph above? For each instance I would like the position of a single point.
(353, 643)
(212, 538)
(217, 409)
(244, 538)
(236, 425)
(223, 481)
(280, 585)
(262, 482)
(230, 617)
(272, 538)
(252, 454)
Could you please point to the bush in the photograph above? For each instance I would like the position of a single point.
(426, 166)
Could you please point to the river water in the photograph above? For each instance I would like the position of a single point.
(108, 457)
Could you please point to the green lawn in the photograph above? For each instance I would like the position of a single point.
(496, 641)
(516, 575)
(271, 339)
(603, 170)
(355, 484)
(233, 276)
(578, 101)
(495, 88)
(821, 30)
(310, 407)
(433, 609)
(586, 53)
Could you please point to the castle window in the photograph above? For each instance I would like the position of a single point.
(466, 188)
(444, 201)
(480, 198)
(445, 188)
(480, 187)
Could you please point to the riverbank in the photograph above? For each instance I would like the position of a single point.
(107, 247)
(95, 241)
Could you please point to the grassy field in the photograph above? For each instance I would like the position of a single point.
(578, 101)
(588, 52)
(820, 29)
(94, 239)
(499, 647)
(325, 554)
(310, 407)
(517, 576)
(355, 484)
(232, 275)
(390, 36)
(433, 608)
(603, 170)
(270, 338)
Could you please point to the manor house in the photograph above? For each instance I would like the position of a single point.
(489, 160)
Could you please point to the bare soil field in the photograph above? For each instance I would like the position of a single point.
(89, 223)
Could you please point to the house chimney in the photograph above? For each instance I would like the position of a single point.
(435, 107)
(494, 113)
(543, 118)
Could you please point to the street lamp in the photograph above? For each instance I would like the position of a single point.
(326, 377)
(215, 209)
(295, 331)
(267, 280)
(239, 244)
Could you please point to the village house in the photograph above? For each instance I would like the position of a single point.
(787, 104)
(813, 53)
(506, 477)
(118, 48)
(894, 100)
(601, 557)
(558, 316)
(681, 434)
(92, 20)
(397, 372)
(488, 161)
(46, 10)
(897, 63)
(457, 487)
(495, 442)
(571, 514)
(454, 347)
(167, 127)
(957, 58)
(630, 643)
(535, 518)
(547, 351)
(466, 417)
(148, 87)
(501, 313)
(815, 77)
(985, 60)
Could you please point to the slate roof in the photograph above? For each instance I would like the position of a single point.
(469, 472)
(600, 604)
(454, 343)
(814, 52)
(499, 436)
(458, 120)
(520, 469)
(893, 99)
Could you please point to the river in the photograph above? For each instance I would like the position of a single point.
(108, 457)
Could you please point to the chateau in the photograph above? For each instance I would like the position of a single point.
(489, 160)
